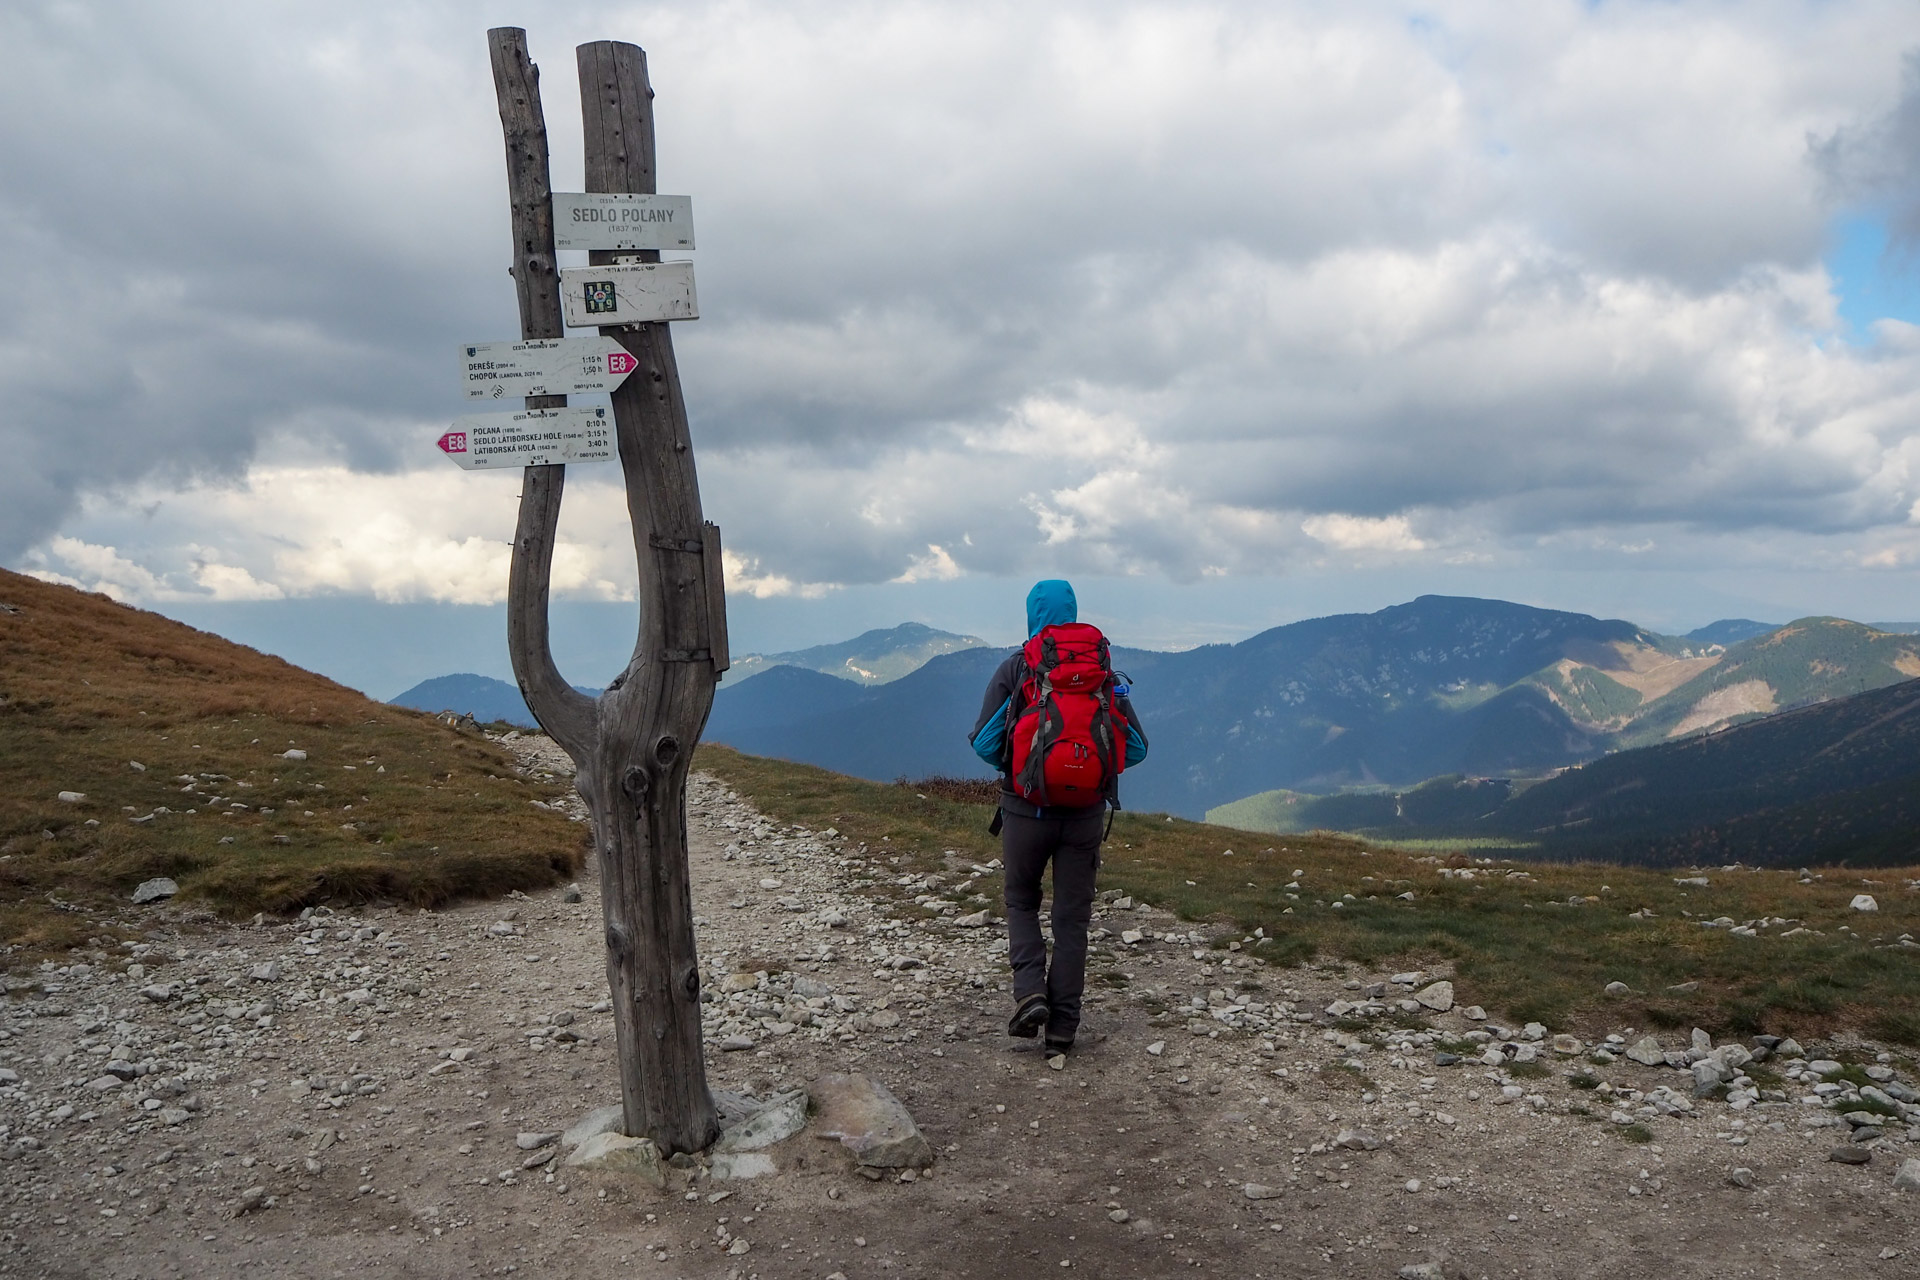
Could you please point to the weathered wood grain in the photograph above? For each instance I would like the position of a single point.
(653, 713)
(562, 711)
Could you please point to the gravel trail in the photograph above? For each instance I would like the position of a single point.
(373, 1092)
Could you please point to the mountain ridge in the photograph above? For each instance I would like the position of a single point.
(870, 658)
(1436, 686)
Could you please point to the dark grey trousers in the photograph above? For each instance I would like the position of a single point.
(1072, 845)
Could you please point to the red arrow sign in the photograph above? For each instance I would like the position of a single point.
(453, 442)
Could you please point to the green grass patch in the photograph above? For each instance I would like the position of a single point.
(1528, 1070)
(1344, 1075)
(1637, 1134)
(1505, 928)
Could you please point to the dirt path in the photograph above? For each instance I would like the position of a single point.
(344, 1095)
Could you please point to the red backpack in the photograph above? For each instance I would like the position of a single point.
(1067, 738)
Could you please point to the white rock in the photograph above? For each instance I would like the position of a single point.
(72, 797)
(1259, 1191)
(534, 1141)
(621, 1154)
(1157, 1048)
(293, 754)
(1647, 1052)
(1861, 901)
(779, 1120)
(1356, 1140)
(976, 920)
(1907, 1177)
(733, 1165)
(155, 889)
(1474, 1013)
(1437, 996)
(597, 1121)
(1619, 989)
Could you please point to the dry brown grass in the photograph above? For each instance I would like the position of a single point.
(389, 805)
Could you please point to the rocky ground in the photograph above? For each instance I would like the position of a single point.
(378, 1092)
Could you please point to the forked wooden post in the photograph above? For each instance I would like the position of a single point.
(632, 748)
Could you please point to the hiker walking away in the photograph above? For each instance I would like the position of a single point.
(1059, 726)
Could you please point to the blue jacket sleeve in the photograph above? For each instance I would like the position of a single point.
(990, 739)
(989, 736)
(1136, 736)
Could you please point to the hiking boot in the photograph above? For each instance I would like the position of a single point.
(1028, 1018)
(1056, 1048)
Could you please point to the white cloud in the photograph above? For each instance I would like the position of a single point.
(1141, 289)
(743, 574)
(231, 582)
(935, 566)
(1362, 533)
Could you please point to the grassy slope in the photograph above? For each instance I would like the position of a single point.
(1278, 812)
(388, 804)
(1517, 945)
(1807, 660)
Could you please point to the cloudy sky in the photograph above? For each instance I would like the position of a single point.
(1235, 313)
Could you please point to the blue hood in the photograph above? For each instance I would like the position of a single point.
(1049, 604)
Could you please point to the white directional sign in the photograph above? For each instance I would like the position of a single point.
(532, 438)
(615, 220)
(628, 293)
(543, 367)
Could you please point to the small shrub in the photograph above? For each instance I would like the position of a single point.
(958, 790)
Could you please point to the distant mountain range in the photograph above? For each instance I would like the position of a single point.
(1730, 631)
(1443, 685)
(482, 697)
(1835, 782)
(874, 657)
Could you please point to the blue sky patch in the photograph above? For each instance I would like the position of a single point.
(1875, 280)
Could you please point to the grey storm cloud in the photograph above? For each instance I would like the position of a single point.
(1129, 288)
(1880, 157)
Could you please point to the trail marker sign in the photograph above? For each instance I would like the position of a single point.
(530, 438)
(543, 367)
(621, 220)
(628, 293)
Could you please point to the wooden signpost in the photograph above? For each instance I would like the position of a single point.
(634, 744)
